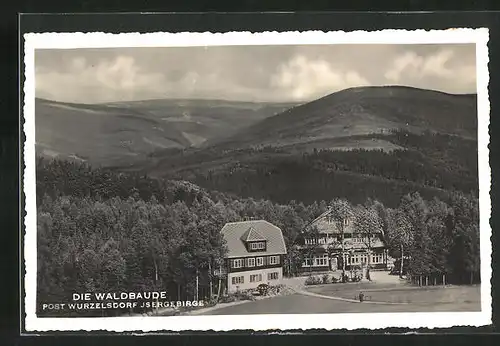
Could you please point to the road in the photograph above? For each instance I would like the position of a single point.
(301, 304)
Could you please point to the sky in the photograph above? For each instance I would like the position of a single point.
(248, 73)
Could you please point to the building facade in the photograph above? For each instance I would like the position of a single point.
(329, 245)
(256, 253)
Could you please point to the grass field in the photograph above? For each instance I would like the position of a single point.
(442, 299)
(394, 293)
(401, 296)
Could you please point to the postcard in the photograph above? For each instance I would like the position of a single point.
(256, 181)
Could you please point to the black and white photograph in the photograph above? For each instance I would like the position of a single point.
(257, 181)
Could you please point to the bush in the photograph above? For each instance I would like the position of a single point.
(263, 289)
(325, 278)
(310, 281)
(356, 278)
(241, 295)
(248, 296)
(210, 302)
(228, 299)
(313, 280)
(275, 290)
(284, 290)
(244, 295)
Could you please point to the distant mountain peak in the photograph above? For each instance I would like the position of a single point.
(363, 111)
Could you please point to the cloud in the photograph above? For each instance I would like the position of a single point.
(248, 73)
(124, 78)
(109, 80)
(439, 68)
(304, 78)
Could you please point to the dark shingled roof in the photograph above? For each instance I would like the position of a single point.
(323, 226)
(252, 235)
(235, 233)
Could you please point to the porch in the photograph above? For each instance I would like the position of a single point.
(321, 262)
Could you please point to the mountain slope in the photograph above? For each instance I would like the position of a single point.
(362, 111)
(377, 142)
(116, 133)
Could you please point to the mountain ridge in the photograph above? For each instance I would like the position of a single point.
(363, 111)
(426, 141)
(105, 134)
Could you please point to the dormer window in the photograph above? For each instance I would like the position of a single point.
(346, 222)
(254, 246)
(254, 241)
(258, 245)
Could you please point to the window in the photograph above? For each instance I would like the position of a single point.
(363, 258)
(238, 263)
(251, 262)
(258, 245)
(260, 261)
(322, 261)
(256, 278)
(346, 222)
(274, 260)
(237, 280)
(273, 276)
(377, 258)
(307, 262)
(311, 241)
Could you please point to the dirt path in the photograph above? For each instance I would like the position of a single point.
(297, 284)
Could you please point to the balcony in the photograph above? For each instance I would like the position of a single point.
(220, 272)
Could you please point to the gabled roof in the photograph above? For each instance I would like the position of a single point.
(323, 226)
(236, 232)
(252, 235)
(374, 244)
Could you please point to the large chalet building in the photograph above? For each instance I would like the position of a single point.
(256, 253)
(322, 250)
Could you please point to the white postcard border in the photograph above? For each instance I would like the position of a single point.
(333, 321)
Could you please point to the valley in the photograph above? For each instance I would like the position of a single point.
(359, 143)
(117, 133)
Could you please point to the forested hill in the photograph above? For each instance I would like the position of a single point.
(368, 142)
(103, 231)
(433, 164)
(362, 111)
